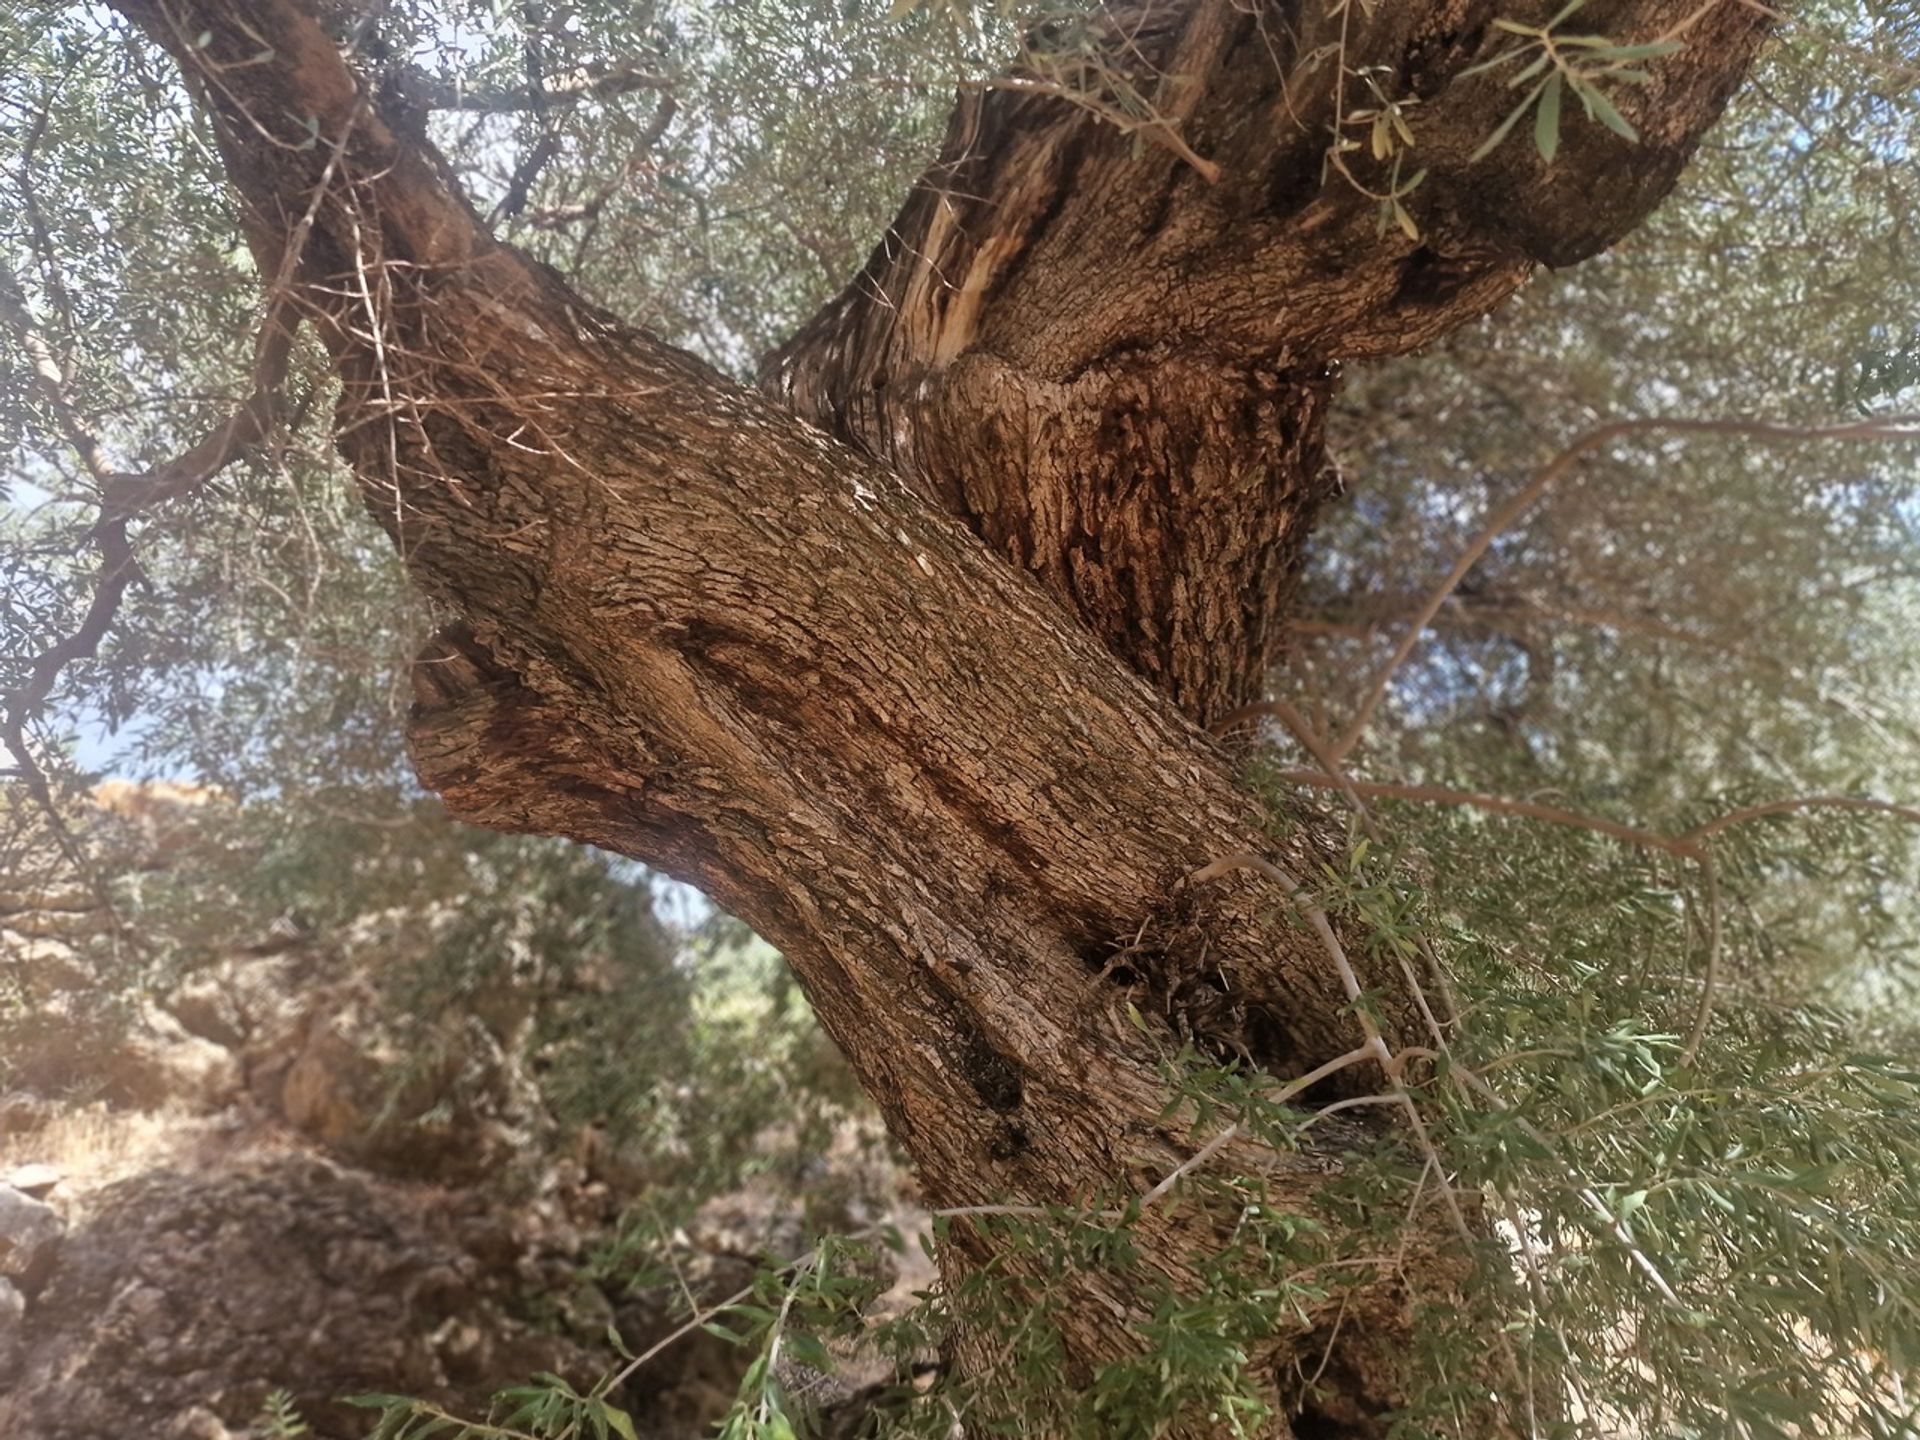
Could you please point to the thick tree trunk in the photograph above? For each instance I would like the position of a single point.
(780, 663)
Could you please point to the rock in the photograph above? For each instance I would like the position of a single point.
(200, 1423)
(37, 1181)
(333, 1085)
(44, 968)
(166, 1066)
(78, 1043)
(209, 1009)
(184, 1300)
(13, 1312)
(450, 1105)
(30, 1233)
(22, 1112)
(51, 908)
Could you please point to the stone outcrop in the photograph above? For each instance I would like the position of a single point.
(183, 1299)
(259, 1178)
(30, 1234)
(289, 1027)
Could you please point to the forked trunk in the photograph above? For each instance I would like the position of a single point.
(792, 665)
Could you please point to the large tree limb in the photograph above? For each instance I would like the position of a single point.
(700, 632)
(1114, 362)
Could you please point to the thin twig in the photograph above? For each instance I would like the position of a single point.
(1501, 804)
(1710, 972)
(596, 82)
(1155, 130)
(110, 539)
(700, 1318)
(124, 495)
(1802, 802)
(1903, 426)
(1193, 1162)
(553, 217)
(1317, 918)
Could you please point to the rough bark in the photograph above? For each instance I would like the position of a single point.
(779, 663)
(1112, 352)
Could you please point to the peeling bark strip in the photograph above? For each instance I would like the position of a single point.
(781, 665)
(1115, 364)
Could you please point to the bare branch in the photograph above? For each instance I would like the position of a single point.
(589, 82)
(1508, 616)
(524, 176)
(1801, 802)
(554, 216)
(548, 145)
(1311, 740)
(1155, 128)
(122, 497)
(1891, 427)
(248, 425)
(48, 377)
(1502, 804)
(116, 567)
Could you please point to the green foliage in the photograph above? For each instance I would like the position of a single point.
(279, 1418)
(548, 1408)
(1745, 1219)
(1716, 1245)
(1552, 62)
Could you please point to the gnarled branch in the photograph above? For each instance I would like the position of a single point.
(1114, 362)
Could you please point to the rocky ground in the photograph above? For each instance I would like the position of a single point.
(227, 1214)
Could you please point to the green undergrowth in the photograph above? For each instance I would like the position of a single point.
(1648, 1238)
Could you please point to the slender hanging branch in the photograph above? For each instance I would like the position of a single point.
(1501, 804)
(554, 217)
